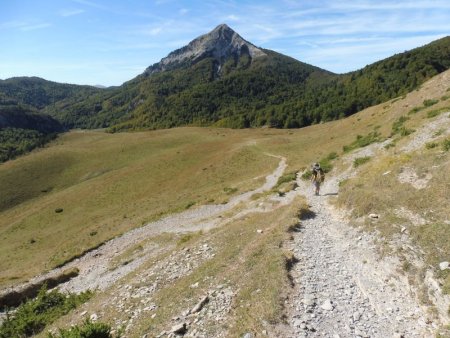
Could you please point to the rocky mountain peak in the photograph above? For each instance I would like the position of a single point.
(221, 43)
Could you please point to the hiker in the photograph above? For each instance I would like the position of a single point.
(317, 177)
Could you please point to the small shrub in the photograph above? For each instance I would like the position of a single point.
(332, 156)
(190, 204)
(360, 161)
(429, 103)
(230, 191)
(185, 238)
(439, 132)
(325, 162)
(445, 97)
(286, 178)
(406, 266)
(398, 124)
(389, 145)
(325, 165)
(86, 330)
(306, 175)
(431, 145)
(415, 110)
(362, 141)
(405, 131)
(433, 113)
(446, 145)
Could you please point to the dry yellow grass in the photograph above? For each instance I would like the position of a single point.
(107, 184)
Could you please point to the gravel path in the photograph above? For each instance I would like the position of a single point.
(343, 288)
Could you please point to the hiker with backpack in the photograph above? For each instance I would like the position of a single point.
(317, 177)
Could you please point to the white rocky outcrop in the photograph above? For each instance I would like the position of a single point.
(221, 43)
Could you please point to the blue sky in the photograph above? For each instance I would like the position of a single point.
(111, 41)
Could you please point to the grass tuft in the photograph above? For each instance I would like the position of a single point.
(446, 144)
(429, 103)
(363, 141)
(360, 161)
(86, 330)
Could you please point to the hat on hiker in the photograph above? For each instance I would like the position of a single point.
(316, 166)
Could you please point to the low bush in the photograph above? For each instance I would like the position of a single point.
(86, 330)
(362, 141)
(286, 178)
(446, 145)
(429, 103)
(415, 110)
(406, 131)
(325, 162)
(399, 124)
(431, 145)
(360, 161)
(230, 191)
(31, 317)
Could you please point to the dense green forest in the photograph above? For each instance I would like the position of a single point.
(22, 129)
(39, 93)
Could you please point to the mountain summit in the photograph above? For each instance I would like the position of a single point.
(221, 44)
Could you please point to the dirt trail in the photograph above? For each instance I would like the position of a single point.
(343, 288)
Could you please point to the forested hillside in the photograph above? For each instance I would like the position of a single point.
(40, 93)
(273, 90)
(235, 91)
(23, 129)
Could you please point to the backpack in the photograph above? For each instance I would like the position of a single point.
(320, 175)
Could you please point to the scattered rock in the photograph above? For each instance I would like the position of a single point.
(248, 335)
(374, 216)
(259, 231)
(200, 304)
(59, 210)
(444, 265)
(93, 317)
(327, 305)
(179, 328)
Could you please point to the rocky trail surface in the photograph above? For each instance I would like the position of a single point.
(343, 288)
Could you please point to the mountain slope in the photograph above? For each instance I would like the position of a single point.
(221, 79)
(39, 93)
(23, 129)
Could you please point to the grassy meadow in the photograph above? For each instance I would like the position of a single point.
(89, 186)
